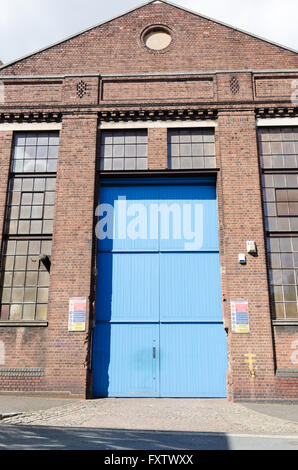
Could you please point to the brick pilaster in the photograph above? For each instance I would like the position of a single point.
(242, 221)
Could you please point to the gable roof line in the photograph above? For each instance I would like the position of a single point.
(75, 35)
(137, 8)
(255, 36)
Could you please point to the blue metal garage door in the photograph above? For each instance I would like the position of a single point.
(159, 330)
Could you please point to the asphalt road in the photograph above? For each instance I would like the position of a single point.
(67, 438)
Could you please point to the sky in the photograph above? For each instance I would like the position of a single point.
(29, 25)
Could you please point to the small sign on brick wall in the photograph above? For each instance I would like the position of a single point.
(77, 314)
(240, 316)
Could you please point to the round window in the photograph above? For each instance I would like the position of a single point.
(157, 38)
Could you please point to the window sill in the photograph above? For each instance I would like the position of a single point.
(20, 324)
(286, 322)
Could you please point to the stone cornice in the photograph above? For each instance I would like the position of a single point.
(157, 115)
(28, 117)
(179, 114)
(276, 112)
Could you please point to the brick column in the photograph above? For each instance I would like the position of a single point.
(242, 220)
(157, 149)
(72, 253)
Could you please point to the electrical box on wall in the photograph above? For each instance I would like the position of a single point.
(242, 258)
(251, 247)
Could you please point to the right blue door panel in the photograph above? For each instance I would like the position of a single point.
(159, 329)
(193, 361)
(190, 287)
(197, 203)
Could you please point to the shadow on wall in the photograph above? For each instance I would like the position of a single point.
(49, 438)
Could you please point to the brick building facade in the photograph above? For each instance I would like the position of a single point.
(156, 93)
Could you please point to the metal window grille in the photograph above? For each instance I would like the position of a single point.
(283, 266)
(24, 279)
(278, 153)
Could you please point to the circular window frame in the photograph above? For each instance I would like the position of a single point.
(156, 27)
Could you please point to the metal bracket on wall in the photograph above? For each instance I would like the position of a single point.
(251, 361)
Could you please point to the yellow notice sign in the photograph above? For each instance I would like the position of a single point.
(77, 314)
(240, 316)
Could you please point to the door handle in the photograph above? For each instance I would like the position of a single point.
(154, 352)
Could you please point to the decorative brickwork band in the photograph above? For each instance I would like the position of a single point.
(22, 373)
(287, 373)
(234, 85)
(81, 89)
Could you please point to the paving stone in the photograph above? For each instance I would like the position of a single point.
(200, 415)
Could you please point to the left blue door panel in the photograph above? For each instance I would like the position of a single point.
(128, 287)
(128, 206)
(128, 360)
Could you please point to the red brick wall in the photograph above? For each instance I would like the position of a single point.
(286, 389)
(279, 86)
(234, 87)
(242, 221)
(157, 149)
(60, 353)
(198, 45)
(90, 86)
(117, 93)
(33, 91)
(24, 348)
(286, 346)
(113, 48)
(72, 252)
(192, 89)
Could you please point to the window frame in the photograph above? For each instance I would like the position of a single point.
(32, 303)
(182, 137)
(276, 176)
(121, 141)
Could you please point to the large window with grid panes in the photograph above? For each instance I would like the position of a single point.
(278, 151)
(124, 150)
(27, 237)
(190, 149)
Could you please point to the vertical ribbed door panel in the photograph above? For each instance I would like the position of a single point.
(159, 329)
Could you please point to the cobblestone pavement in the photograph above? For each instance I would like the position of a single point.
(199, 415)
